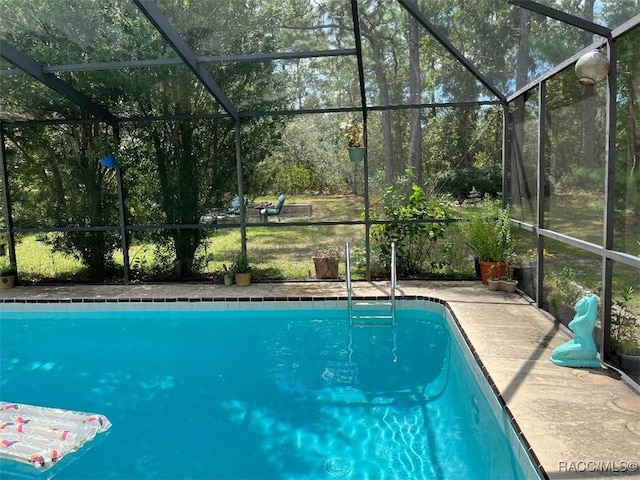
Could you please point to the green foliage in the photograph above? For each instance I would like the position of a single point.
(331, 253)
(581, 179)
(7, 269)
(102, 145)
(561, 288)
(37, 261)
(352, 130)
(59, 182)
(176, 170)
(241, 263)
(460, 138)
(461, 182)
(488, 232)
(162, 261)
(293, 179)
(93, 249)
(306, 159)
(624, 325)
(630, 346)
(414, 241)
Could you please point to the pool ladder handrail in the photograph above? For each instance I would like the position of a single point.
(389, 319)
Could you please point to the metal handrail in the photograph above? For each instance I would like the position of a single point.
(394, 281)
(393, 284)
(347, 257)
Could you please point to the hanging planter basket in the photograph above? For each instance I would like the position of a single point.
(108, 162)
(356, 154)
(592, 67)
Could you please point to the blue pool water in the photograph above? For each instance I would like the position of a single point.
(295, 394)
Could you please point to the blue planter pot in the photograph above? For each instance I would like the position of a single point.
(109, 161)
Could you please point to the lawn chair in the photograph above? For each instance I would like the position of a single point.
(222, 214)
(234, 209)
(274, 211)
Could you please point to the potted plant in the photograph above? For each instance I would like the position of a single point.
(624, 334)
(525, 270)
(326, 260)
(242, 270)
(488, 233)
(7, 276)
(103, 147)
(629, 351)
(354, 133)
(228, 275)
(503, 283)
(507, 284)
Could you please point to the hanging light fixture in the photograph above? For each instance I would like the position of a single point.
(592, 67)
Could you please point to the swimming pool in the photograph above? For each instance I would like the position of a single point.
(262, 393)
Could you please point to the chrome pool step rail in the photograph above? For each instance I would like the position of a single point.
(372, 312)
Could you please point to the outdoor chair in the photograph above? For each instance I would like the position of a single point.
(274, 211)
(222, 214)
(234, 209)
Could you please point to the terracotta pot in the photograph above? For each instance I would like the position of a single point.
(326, 267)
(491, 269)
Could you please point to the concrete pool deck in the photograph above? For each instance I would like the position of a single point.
(581, 423)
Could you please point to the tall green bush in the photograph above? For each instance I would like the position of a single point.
(486, 181)
(414, 241)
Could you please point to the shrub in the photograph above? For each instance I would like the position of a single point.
(414, 241)
(624, 325)
(460, 183)
(561, 288)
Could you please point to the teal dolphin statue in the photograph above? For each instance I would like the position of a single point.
(581, 351)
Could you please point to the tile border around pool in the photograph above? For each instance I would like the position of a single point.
(201, 303)
(408, 302)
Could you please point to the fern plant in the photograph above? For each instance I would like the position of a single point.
(488, 233)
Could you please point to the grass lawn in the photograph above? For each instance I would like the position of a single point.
(37, 261)
(281, 252)
(276, 252)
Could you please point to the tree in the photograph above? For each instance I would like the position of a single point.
(415, 96)
(71, 189)
(190, 162)
(628, 151)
